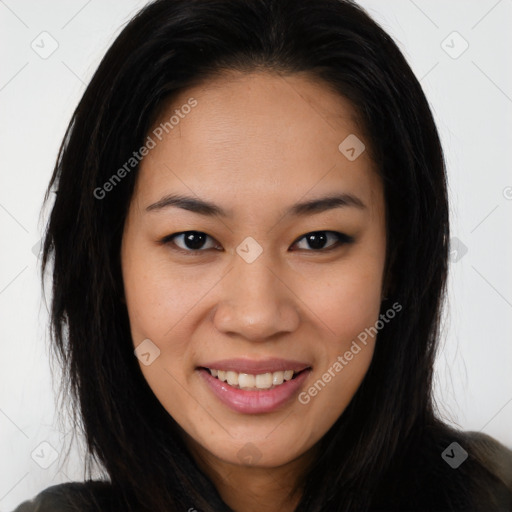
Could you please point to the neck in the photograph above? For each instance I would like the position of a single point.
(254, 488)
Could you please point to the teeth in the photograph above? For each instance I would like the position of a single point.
(248, 381)
(288, 374)
(232, 378)
(264, 381)
(277, 378)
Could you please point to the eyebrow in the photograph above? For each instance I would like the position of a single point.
(208, 208)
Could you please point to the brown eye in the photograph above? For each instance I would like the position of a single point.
(189, 241)
(319, 240)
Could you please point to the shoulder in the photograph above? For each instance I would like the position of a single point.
(492, 454)
(479, 466)
(70, 497)
(442, 468)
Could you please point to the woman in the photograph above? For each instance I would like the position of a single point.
(249, 244)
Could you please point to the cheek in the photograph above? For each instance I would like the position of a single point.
(347, 303)
(347, 308)
(346, 299)
(343, 355)
(157, 297)
(329, 393)
(158, 301)
(355, 307)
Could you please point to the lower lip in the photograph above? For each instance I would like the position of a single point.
(254, 402)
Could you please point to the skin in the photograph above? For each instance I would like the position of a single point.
(255, 144)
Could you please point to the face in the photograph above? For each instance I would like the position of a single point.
(238, 266)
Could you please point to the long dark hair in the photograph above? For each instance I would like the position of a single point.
(169, 46)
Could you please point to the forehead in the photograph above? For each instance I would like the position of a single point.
(257, 135)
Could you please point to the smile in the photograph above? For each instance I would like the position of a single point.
(255, 387)
(247, 381)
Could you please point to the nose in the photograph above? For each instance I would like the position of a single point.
(256, 302)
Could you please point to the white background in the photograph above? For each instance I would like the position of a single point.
(471, 97)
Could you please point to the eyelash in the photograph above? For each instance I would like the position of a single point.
(342, 239)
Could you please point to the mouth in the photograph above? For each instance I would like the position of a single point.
(253, 387)
(254, 382)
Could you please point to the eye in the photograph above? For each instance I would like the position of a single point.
(318, 239)
(189, 241)
(194, 241)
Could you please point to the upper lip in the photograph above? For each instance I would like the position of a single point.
(256, 367)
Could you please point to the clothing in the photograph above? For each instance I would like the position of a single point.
(496, 457)
(63, 498)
